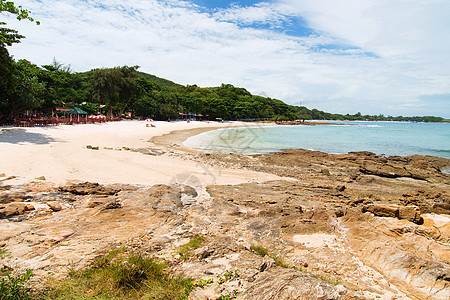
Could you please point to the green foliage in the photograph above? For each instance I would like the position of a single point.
(228, 297)
(121, 276)
(194, 243)
(19, 11)
(14, 287)
(9, 36)
(229, 275)
(123, 89)
(202, 283)
(16, 87)
(261, 251)
(114, 87)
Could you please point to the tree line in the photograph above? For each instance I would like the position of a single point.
(24, 86)
(119, 90)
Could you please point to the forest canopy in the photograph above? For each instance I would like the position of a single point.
(119, 90)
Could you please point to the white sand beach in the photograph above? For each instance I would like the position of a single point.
(59, 154)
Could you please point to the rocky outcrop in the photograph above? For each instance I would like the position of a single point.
(410, 213)
(354, 226)
(285, 284)
(89, 188)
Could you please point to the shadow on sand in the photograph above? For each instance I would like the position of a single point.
(20, 136)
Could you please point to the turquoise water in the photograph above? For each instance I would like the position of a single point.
(388, 138)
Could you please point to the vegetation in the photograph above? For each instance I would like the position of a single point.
(25, 86)
(261, 251)
(194, 243)
(122, 276)
(13, 286)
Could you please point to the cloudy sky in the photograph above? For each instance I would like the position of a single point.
(387, 57)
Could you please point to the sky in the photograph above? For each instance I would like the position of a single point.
(388, 57)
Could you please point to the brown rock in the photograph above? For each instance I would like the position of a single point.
(12, 209)
(279, 283)
(94, 202)
(29, 207)
(410, 213)
(88, 188)
(8, 178)
(382, 210)
(113, 204)
(54, 205)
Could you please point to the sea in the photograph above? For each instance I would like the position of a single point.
(382, 138)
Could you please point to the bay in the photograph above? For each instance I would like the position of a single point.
(382, 138)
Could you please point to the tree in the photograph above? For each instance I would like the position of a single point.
(114, 87)
(14, 88)
(9, 36)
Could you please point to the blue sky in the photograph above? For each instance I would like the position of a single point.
(387, 57)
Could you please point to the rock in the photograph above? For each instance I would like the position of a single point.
(113, 204)
(96, 201)
(54, 205)
(279, 283)
(8, 178)
(88, 188)
(340, 188)
(410, 213)
(382, 210)
(266, 264)
(340, 212)
(40, 178)
(13, 209)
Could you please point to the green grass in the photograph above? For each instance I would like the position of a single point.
(15, 287)
(121, 276)
(261, 251)
(194, 243)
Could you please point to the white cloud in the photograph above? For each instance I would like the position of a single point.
(178, 41)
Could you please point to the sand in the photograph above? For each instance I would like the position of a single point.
(59, 154)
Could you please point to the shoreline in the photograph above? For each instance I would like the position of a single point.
(350, 219)
(117, 152)
(401, 149)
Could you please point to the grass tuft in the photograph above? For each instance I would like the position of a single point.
(14, 287)
(121, 276)
(194, 243)
(261, 251)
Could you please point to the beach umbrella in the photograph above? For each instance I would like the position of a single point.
(148, 120)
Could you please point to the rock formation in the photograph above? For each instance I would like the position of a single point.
(355, 226)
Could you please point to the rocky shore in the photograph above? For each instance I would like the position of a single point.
(354, 226)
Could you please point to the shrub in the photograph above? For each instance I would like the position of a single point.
(120, 276)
